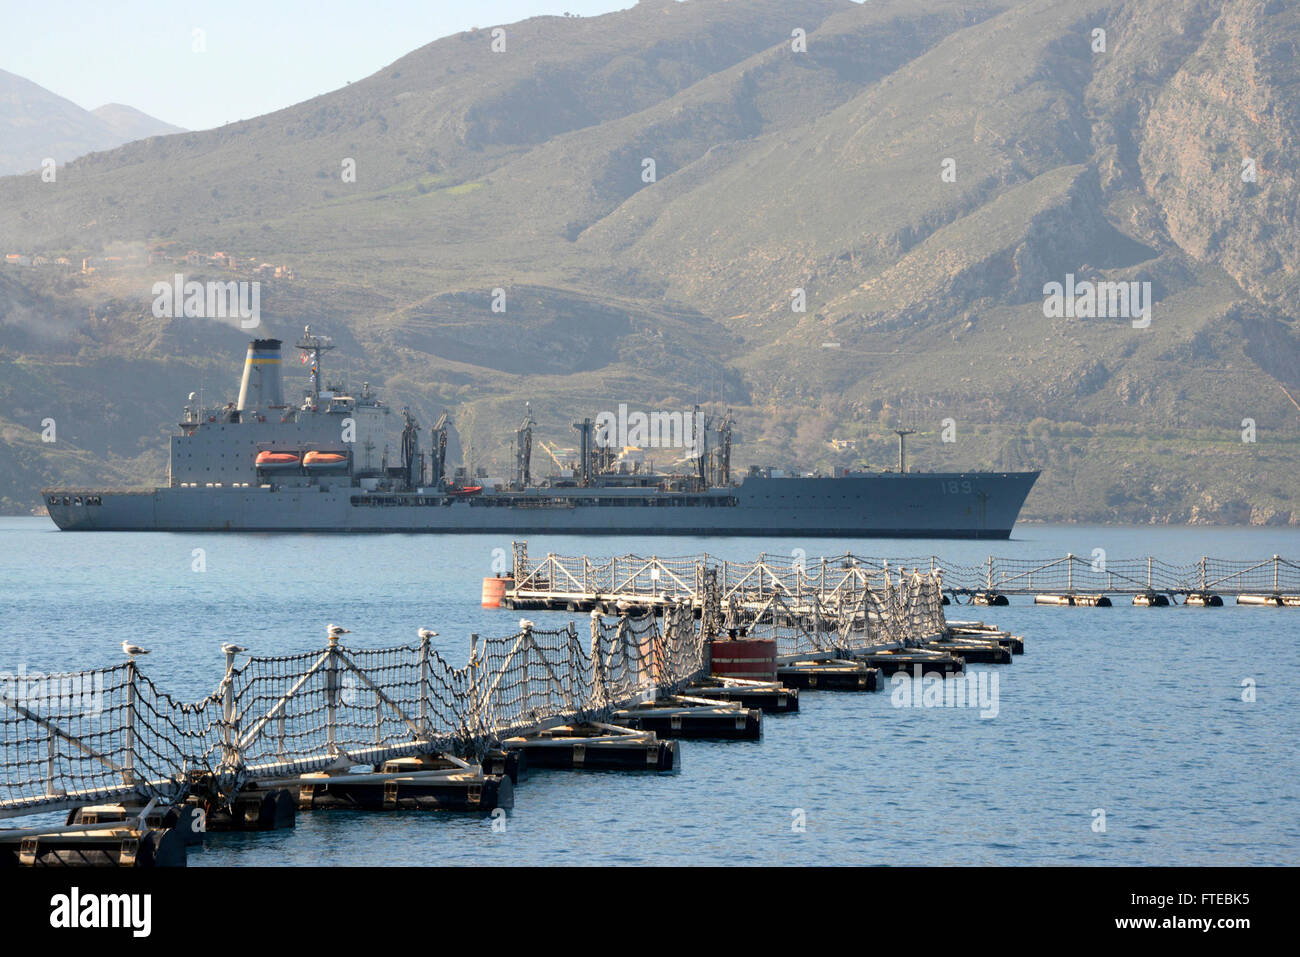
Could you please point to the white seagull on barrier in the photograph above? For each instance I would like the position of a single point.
(233, 649)
(133, 650)
(525, 624)
(336, 630)
(427, 633)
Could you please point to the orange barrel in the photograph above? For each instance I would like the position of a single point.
(494, 589)
(752, 658)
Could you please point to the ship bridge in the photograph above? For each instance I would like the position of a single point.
(222, 445)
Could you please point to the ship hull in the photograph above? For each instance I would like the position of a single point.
(915, 505)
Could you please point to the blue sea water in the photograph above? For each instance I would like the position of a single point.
(1137, 712)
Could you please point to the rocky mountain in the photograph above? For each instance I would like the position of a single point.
(656, 192)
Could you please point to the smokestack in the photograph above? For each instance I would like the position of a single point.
(262, 387)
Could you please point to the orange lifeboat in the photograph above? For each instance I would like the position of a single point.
(324, 460)
(465, 491)
(276, 460)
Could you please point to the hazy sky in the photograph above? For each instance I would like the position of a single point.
(261, 54)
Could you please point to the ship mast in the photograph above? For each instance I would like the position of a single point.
(702, 462)
(438, 449)
(902, 433)
(524, 448)
(724, 450)
(584, 430)
(314, 346)
(412, 463)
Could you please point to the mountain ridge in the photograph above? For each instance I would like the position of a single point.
(37, 125)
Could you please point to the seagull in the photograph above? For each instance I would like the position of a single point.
(525, 624)
(233, 649)
(336, 630)
(427, 633)
(132, 650)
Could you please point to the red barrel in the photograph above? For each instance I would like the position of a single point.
(752, 658)
(494, 589)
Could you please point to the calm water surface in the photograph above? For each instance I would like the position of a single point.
(1135, 711)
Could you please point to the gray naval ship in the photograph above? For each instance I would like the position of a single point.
(323, 464)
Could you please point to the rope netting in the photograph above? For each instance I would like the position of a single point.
(908, 610)
(638, 655)
(541, 676)
(95, 734)
(680, 577)
(822, 605)
(629, 652)
(106, 733)
(528, 678)
(637, 576)
(110, 734)
(630, 575)
(341, 706)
